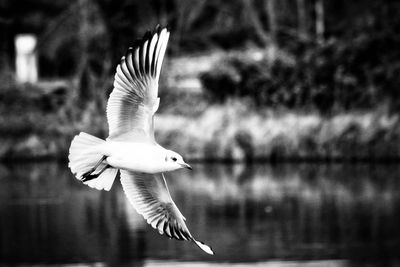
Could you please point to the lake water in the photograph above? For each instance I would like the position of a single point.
(259, 215)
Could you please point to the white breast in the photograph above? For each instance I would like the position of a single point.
(137, 157)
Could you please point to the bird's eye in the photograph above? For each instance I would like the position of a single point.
(174, 159)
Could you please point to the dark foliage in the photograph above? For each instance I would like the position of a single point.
(339, 75)
(357, 65)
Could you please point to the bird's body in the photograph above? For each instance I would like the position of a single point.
(134, 156)
(131, 148)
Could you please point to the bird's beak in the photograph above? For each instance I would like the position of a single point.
(187, 166)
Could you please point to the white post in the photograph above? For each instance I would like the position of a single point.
(26, 59)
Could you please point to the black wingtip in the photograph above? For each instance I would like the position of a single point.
(149, 64)
(137, 42)
(157, 29)
(148, 35)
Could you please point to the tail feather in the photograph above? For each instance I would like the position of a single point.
(104, 181)
(83, 155)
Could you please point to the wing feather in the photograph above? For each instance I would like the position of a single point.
(161, 47)
(125, 72)
(143, 53)
(152, 49)
(134, 99)
(149, 195)
(129, 64)
(136, 57)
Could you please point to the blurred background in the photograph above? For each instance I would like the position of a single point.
(288, 111)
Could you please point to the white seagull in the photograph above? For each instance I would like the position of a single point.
(130, 147)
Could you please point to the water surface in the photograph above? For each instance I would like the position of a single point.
(259, 215)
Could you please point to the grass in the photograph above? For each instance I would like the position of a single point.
(236, 132)
(36, 123)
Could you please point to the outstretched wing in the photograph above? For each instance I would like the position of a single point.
(149, 195)
(134, 99)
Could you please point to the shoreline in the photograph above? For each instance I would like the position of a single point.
(233, 133)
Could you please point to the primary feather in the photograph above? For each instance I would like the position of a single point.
(134, 99)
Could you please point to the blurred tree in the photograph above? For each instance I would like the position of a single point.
(272, 20)
(347, 50)
(187, 13)
(319, 21)
(4, 60)
(257, 26)
(302, 20)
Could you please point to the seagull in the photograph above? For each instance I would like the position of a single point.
(131, 149)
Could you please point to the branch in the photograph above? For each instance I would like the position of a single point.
(256, 23)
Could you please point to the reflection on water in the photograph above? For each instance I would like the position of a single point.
(284, 215)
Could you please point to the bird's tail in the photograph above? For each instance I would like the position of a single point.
(83, 156)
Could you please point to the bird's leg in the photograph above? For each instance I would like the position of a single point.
(94, 176)
(88, 173)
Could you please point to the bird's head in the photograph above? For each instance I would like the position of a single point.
(175, 161)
